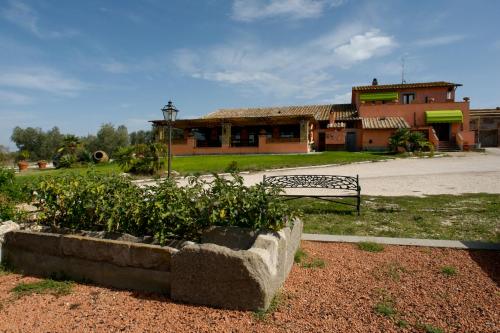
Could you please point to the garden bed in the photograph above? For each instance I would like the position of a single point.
(341, 297)
(231, 267)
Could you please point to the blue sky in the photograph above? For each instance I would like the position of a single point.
(78, 64)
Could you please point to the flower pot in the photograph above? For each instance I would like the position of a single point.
(42, 164)
(22, 165)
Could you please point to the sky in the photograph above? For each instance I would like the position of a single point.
(79, 64)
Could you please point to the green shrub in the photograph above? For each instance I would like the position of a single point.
(146, 159)
(385, 308)
(7, 209)
(6, 177)
(114, 203)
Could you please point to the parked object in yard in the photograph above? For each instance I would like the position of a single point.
(328, 187)
(100, 156)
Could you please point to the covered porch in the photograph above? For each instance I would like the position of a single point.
(202, 136)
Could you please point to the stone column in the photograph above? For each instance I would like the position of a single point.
(226, 135)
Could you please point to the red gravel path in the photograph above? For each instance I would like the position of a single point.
(338, 298)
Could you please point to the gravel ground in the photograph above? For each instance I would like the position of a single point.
(337, 298)
(463, 172)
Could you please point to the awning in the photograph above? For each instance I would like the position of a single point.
(444, 116)
(381, 96)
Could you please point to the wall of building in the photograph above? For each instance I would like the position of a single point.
(438, 94)
(376, 139)
(266, 146)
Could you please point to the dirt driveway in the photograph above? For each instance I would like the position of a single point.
(454, 174)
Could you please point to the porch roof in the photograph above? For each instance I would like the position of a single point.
(235, 121)
(318, 112)
(384, 123)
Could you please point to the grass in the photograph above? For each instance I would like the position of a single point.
(219, 163)
(190, 165)
(276, 302)
(385, 308)
(461, 217)
(448, 270)
(46, 286)
(302, 259)
(370, 247)
(391, 270)
(431, 329)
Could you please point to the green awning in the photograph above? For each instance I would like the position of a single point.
(444, 116)
(381, 96)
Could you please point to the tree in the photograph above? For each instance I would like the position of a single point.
(141, 137)
(39, 144)
(108, 139)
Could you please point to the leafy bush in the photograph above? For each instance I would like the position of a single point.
(7, 209)
(409, 141)
(114, 203)
(6, 176)
(146, 159)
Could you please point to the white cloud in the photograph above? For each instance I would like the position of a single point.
(251, 10)
(26, 18)
(439, 40)
(342, 98)
(115, 67)
(9, 97)
(303, 71)
(364, 46)
(42, 79)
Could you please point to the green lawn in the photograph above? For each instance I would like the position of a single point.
(219, 163)
(463, 217)
(188, 165)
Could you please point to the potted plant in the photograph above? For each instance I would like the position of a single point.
(22, 162)
(42, 164)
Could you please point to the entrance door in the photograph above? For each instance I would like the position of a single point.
(443, 131)
(322, 141)
(350, 141)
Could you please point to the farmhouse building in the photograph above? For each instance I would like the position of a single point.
(375, 112)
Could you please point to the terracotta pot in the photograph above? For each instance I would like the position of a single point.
(22, 165)
(42, 164)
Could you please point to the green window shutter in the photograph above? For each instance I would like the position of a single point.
(381, 96)
(444, 116)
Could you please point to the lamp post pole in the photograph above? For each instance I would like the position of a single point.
(169, 114)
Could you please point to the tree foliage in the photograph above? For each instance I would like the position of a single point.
(141, 137)
(108, 139)
(39, 144)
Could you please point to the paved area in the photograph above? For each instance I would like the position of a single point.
(403, 241)
(455, 174)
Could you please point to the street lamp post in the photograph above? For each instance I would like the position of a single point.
(169, 114)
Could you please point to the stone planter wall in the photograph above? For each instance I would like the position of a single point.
(231, 268)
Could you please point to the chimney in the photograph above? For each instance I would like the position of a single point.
(375, 82)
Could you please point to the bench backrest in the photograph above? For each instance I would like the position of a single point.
(314, 181)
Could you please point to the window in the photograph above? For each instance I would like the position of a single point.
(408, 98)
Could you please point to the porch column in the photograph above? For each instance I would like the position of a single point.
(304, 130)
(226, 135)
(159, 133)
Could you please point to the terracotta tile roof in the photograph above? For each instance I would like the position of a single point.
(384, 123)
(345, 115)
(407, 85)
(319, 112)
(474, 113)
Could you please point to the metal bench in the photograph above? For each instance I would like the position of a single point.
(343, 184)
